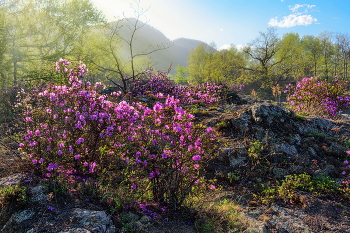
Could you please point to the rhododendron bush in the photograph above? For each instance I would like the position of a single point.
(159, 85)
(72, 129)
(319, 97)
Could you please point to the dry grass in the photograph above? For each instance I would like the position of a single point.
(217, 213)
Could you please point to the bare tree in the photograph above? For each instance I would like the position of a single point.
(262, 52)
(343, 46)
(125, 71)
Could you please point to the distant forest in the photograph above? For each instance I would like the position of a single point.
(269, 60)
(36, 33)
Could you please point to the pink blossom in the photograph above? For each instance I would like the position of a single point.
(196, 158)
(37, 132)
(92, 167)
(209, 129)
(79, 141)
(52, 166)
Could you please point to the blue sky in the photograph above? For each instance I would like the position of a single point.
(236, 22)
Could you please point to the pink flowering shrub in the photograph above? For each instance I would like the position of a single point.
(150, 83)
(72, 130)
(311, 95)
(207, 94)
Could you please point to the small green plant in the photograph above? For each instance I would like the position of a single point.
(221, 125)
(213, 108)
(234, 176)
(289, 187)
(318, 135)
(299, 117)
(255, 150)
(347, 143)
(13, 193)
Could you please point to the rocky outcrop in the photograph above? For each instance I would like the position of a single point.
(41, 214)
(286, 138)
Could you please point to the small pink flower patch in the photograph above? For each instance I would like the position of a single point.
(133, 186)
(209, 129)
(196, 158)
(212, 187)
(92, 167)
(196, 166)
(79, 141)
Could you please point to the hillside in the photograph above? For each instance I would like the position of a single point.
(176, 52)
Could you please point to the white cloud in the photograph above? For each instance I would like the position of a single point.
(221, 29)
(296, 18)
(292, 20)
(297, 6)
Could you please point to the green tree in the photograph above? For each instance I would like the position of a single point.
(262, 58)
(327, 51)
(290, 58)
(181, 77)
(343, 47)
(198, 61)
(3, 42)
(312, 51)
(229, 64)
(42, 31)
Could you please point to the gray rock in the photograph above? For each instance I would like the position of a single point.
(12, 179)
(269, 114)
(285, 221)
(16, 220)
(257, 228)
(38, 195)
(279, 172)
(288, 149)
(237, 159)
(76, 230)
(93, 221)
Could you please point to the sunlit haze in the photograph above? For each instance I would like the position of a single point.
(237, 22)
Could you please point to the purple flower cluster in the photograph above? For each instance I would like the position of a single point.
(160, 86)
(312, 95)
(76, 130)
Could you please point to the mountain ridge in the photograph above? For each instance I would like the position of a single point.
(175, 53)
